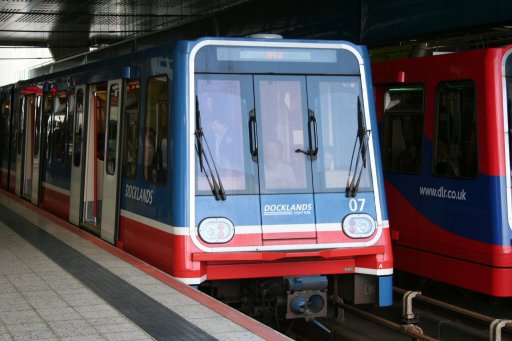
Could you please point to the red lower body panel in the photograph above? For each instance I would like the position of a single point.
(177, 255)
(473, 276)
(55, 202)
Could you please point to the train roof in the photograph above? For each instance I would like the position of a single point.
(456, 64)
(153, 45)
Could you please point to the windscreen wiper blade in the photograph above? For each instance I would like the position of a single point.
(199, 136)
(359, 158)
(213, 178)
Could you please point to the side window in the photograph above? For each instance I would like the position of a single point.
(155, 135)
(69, 127)
(131, 128)
(4, 133)
(113, 112)
(79, 113)
(47, 125)
(455, 145)
(59, 126)
(36, 105)
(402, 129)
(21, 124)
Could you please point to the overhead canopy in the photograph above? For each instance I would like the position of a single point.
(388, 21)
(69, 27)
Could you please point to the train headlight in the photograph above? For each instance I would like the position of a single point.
(216, 230)
(358, 225)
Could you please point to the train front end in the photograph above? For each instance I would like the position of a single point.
(283, 175)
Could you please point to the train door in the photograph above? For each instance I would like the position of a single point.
(35, 110)
(94, 157)
(111, 169)
(77, 156)
(31, 149)
(286, 186)
(312, 153)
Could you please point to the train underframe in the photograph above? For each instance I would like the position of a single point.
(273, 300)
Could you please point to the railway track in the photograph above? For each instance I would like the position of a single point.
(413, 316)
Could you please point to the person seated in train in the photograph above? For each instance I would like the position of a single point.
(100, 145)
(445, 161)
(408, 160)
(225, 142)
(454, 157)
(278, 174)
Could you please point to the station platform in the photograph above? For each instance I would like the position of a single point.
(58, 282)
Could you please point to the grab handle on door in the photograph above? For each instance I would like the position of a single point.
(253, 135)
(312, 129)
(312, 150)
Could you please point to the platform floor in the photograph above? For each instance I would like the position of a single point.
(58, 282)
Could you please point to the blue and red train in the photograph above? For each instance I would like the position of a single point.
(215, 160)
(446, 137)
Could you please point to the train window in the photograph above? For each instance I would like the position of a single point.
(70, 124)
(13, 136)
(47, 125)
(402, 129)
(281, 114)
(79, 120)
(36, 102)
(58, 124)
(155, 136)
(130, 128)
(224, 103)
(113, 118)
(100, 108)
(21, 123)
(4, 134)
(455, 147)
(334, 102)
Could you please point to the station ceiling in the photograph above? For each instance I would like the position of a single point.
(69, 27)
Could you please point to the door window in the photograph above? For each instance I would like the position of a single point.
(130, 128)
(114, 95)
(79, 121)
(155, 137)
(281, 113)
(58, 125)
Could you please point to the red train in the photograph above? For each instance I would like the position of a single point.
(445, 136)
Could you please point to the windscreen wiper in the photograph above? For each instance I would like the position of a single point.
(206, 163)
(359, 158)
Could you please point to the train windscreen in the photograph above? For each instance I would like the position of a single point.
(281, 134)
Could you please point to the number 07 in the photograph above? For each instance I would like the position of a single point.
(356, 204)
